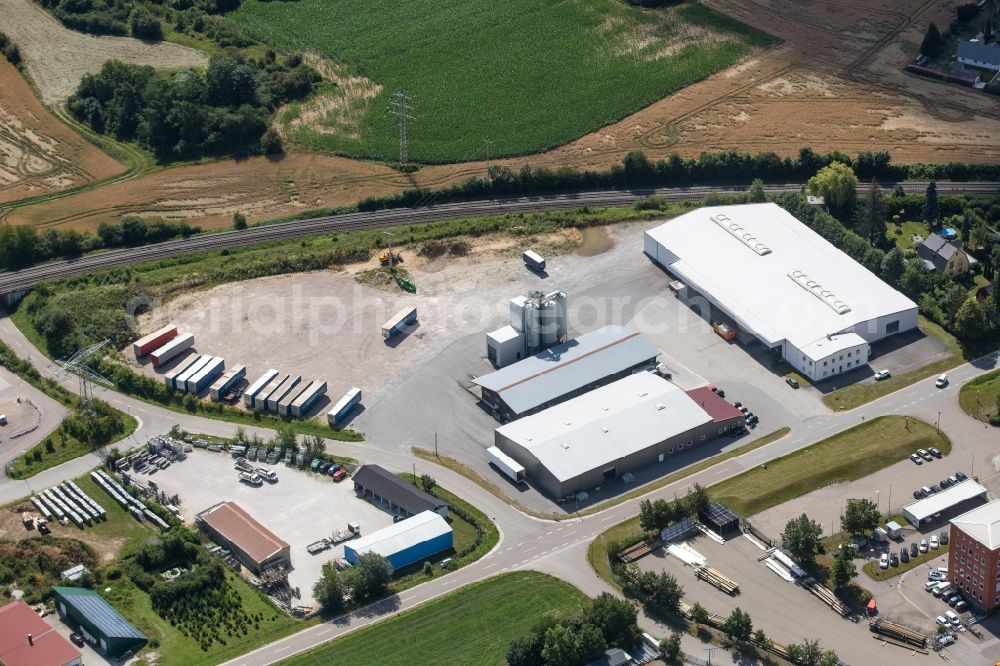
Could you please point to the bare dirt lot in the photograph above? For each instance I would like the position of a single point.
(57, 58)
(38, 152)
(837, 82)
(301, 507)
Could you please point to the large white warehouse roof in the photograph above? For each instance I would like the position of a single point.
(606, 424)
(964, 491)
(397, 537)
(776, 276)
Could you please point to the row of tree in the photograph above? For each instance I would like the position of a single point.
(24, 245)
(655, 515)
(224, 110)
(579, 638)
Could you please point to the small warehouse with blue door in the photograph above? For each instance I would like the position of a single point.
(97, 620)
(406, 542)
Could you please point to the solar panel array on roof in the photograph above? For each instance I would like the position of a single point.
(677, 531)
(99, 612)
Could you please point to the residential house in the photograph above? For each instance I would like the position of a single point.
(979, 54)
(946, 257)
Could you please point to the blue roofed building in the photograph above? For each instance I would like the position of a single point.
(406, 542)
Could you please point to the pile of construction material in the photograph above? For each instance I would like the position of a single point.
(137, 509)
(66, 502)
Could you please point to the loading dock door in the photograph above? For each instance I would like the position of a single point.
(609, 474)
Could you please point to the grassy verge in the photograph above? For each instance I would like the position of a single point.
(978, 398)
(845, 456)
(856, 395)
(849, 455)
(76, 435)
(57, 448)
(474, 536)
(473, 625)
(872, 570)
(788, 371)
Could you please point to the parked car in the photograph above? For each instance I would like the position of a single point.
(942, 620)
(334, 468)
(917, 459)
(923, 454)
(925, 490)
(77, 639)
(941, 381)
(913, 549)
(942, 589)
(934, 542)
(952, 480)
(936, 576)
(961, 606)
(945, 483)
(961, 476)
(752, 419)
(923, 545)
(339, 475)
(935, 489)
(954, 599)
(324, 467)
(904, 555)
(883, 561)
(918, 494)
(893, 560)
(737, 404)
(953, 617)
(930, 585)
(944, 538)
(791, 382)
(882, 374)
(935, 451)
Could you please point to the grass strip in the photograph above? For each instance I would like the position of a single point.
(979, 397)
(856, 395)
(473, 625)
(846, 456)
(873, 571)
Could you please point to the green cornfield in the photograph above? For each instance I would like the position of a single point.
(527, 74)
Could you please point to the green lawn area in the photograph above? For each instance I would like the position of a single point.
(978, 398)
(902, 240)
(478, 69)
(852, 454)
(856, 395)
(872, 571)
(471, 626)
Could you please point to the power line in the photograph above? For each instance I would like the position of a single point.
(401, 108)
(489, 144)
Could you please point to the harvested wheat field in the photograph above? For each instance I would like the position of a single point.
(209, 194)
(39, 154)
(836, 83)
(57, 58)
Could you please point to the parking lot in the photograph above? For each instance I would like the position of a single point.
(786, 612)
(42, 412)
(301, 507)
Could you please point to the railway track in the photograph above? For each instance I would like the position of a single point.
(12, 282)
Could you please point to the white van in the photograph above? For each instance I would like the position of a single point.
(943, 588)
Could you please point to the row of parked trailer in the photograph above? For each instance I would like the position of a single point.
(284, 394)
(137, 509)
(67, 502)
(194, 374)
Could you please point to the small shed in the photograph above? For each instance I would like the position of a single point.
(720, 519)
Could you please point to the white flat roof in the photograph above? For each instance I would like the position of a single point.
(397, 537)
(606, 424)
(960, 492)
(778, 277)
(505, 334)
(982, 524)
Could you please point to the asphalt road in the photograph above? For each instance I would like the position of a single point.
(526, 542)
(15, 281)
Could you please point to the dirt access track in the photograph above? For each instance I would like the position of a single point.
(57, 58)
(38, 152)
(837, 82)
